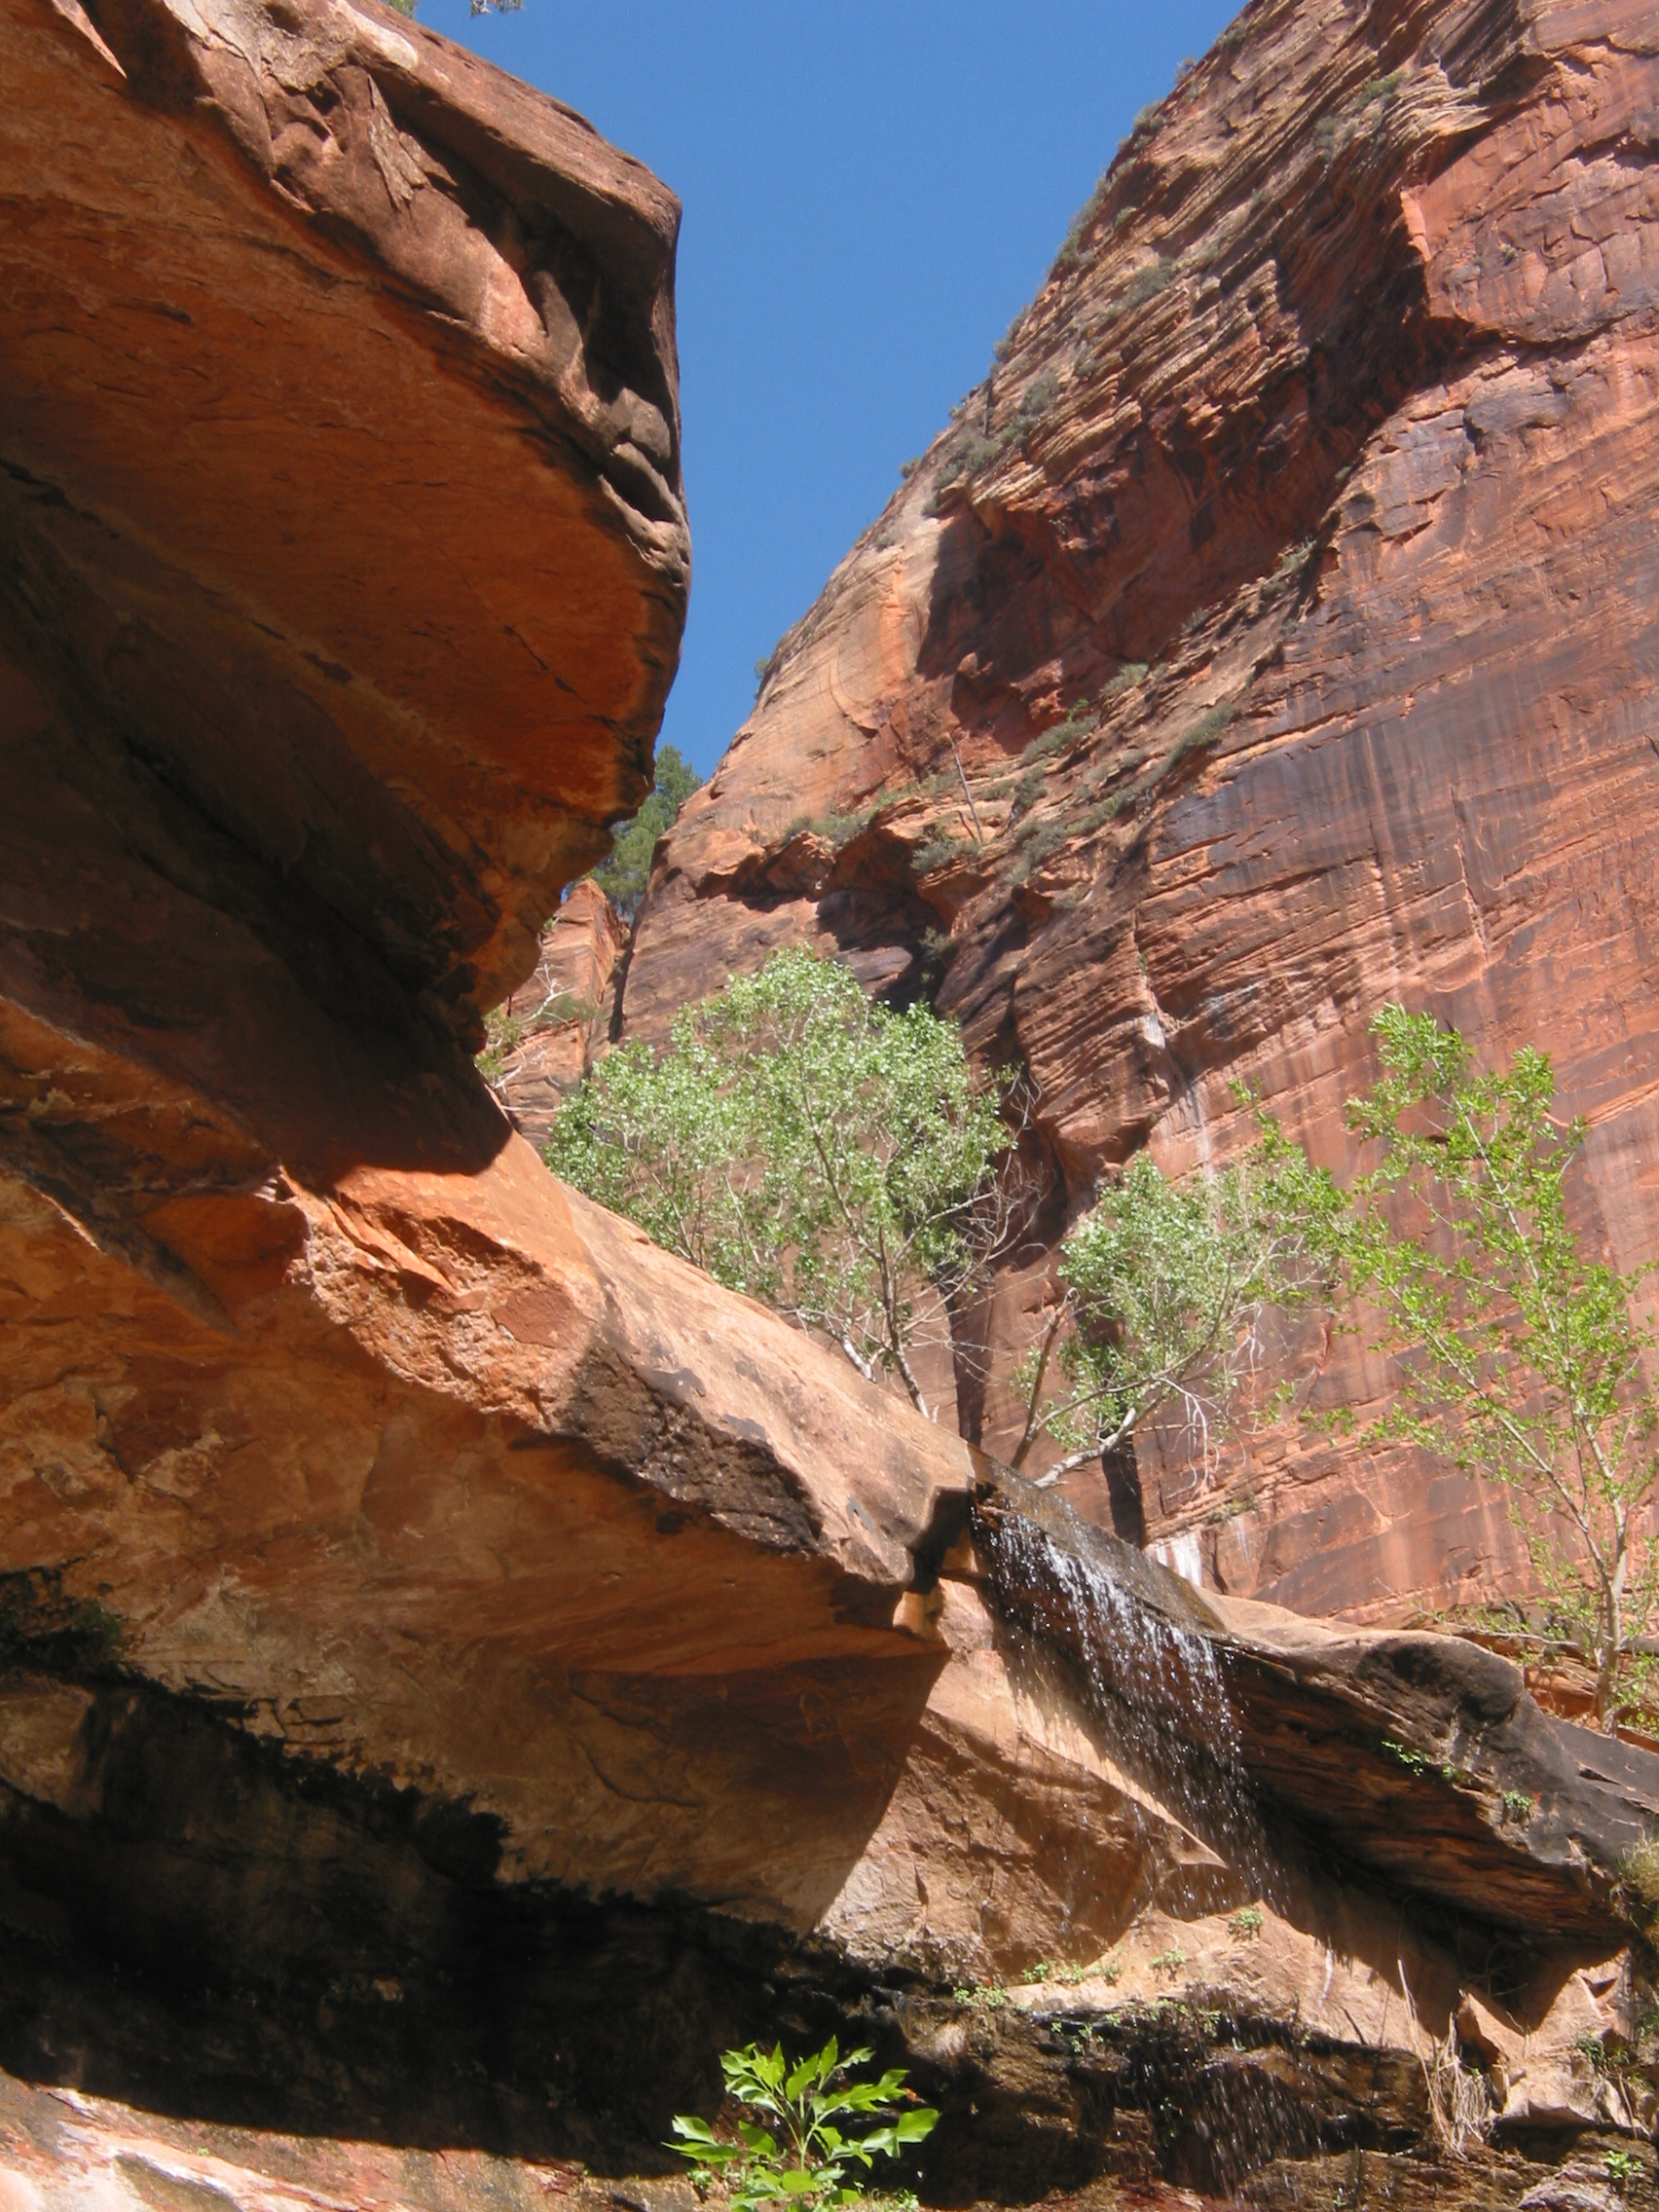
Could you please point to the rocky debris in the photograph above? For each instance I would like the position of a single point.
(64, 2151)
(1267, 637)
(545, 1039)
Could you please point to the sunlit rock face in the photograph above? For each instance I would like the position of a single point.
(346, 565)
(1322, 469)
(553, 1027)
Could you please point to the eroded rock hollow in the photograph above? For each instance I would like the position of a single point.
(461, 1669)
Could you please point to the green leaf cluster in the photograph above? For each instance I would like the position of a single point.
(796, 2146)
(1166, 1289)
(807, 1145)
(1519, 1360)
(624, 875)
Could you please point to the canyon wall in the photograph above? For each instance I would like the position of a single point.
(1269, 636)
(458, 1668)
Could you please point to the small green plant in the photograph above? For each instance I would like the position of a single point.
(502, 1039)
(1128, 677)
(941, 847)
(1168, 1961)
(1039, 1971)
(1621, 2167)
(1071, 1975)
(1518, 1806)
(1291, 559)
(793, 2149)
(1413, 1762)
(1078, 722)
(1204, 732)
(1641, 1874)
(1592, 2049)
(1245, 1923)
(1038, 840)
(1231, 1509)
(982, 1996)
(836, 829)
(1146, 284)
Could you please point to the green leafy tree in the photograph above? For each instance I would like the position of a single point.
(625, 873)
(1166, 1289)
(810, 1147)
(1520, 1359)
(796, 2146)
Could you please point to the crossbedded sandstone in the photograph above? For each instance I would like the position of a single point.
(1267, 636)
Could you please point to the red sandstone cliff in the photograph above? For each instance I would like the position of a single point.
(1286, 595)
(459, 1668)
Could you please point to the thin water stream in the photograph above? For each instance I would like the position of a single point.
(1149, 1664)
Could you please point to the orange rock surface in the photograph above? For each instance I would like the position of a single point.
(322, 1407)
(555, 1025)
(1270, 636)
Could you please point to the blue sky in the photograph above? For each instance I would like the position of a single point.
(871, 193)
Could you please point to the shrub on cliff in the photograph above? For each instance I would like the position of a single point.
(1519, 1359)
(1167, 1290)
(796, 2147)
(807, 1145)
(625, 873)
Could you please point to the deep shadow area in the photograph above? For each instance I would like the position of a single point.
(206, 1927)
(211, 1929)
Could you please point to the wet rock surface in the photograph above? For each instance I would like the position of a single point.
(1419, 1757)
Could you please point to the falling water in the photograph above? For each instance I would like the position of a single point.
(1154, 1680)
(1183, 1556)
(1151, 1662)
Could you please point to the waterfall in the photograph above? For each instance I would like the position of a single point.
(1146, 1653)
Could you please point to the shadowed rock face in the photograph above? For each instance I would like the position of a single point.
(1321, 472)
(339, 368)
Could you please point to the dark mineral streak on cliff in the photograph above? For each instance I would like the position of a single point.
(1301, 542)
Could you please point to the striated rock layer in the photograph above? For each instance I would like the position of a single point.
(1270, 636)
(459, 1668)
